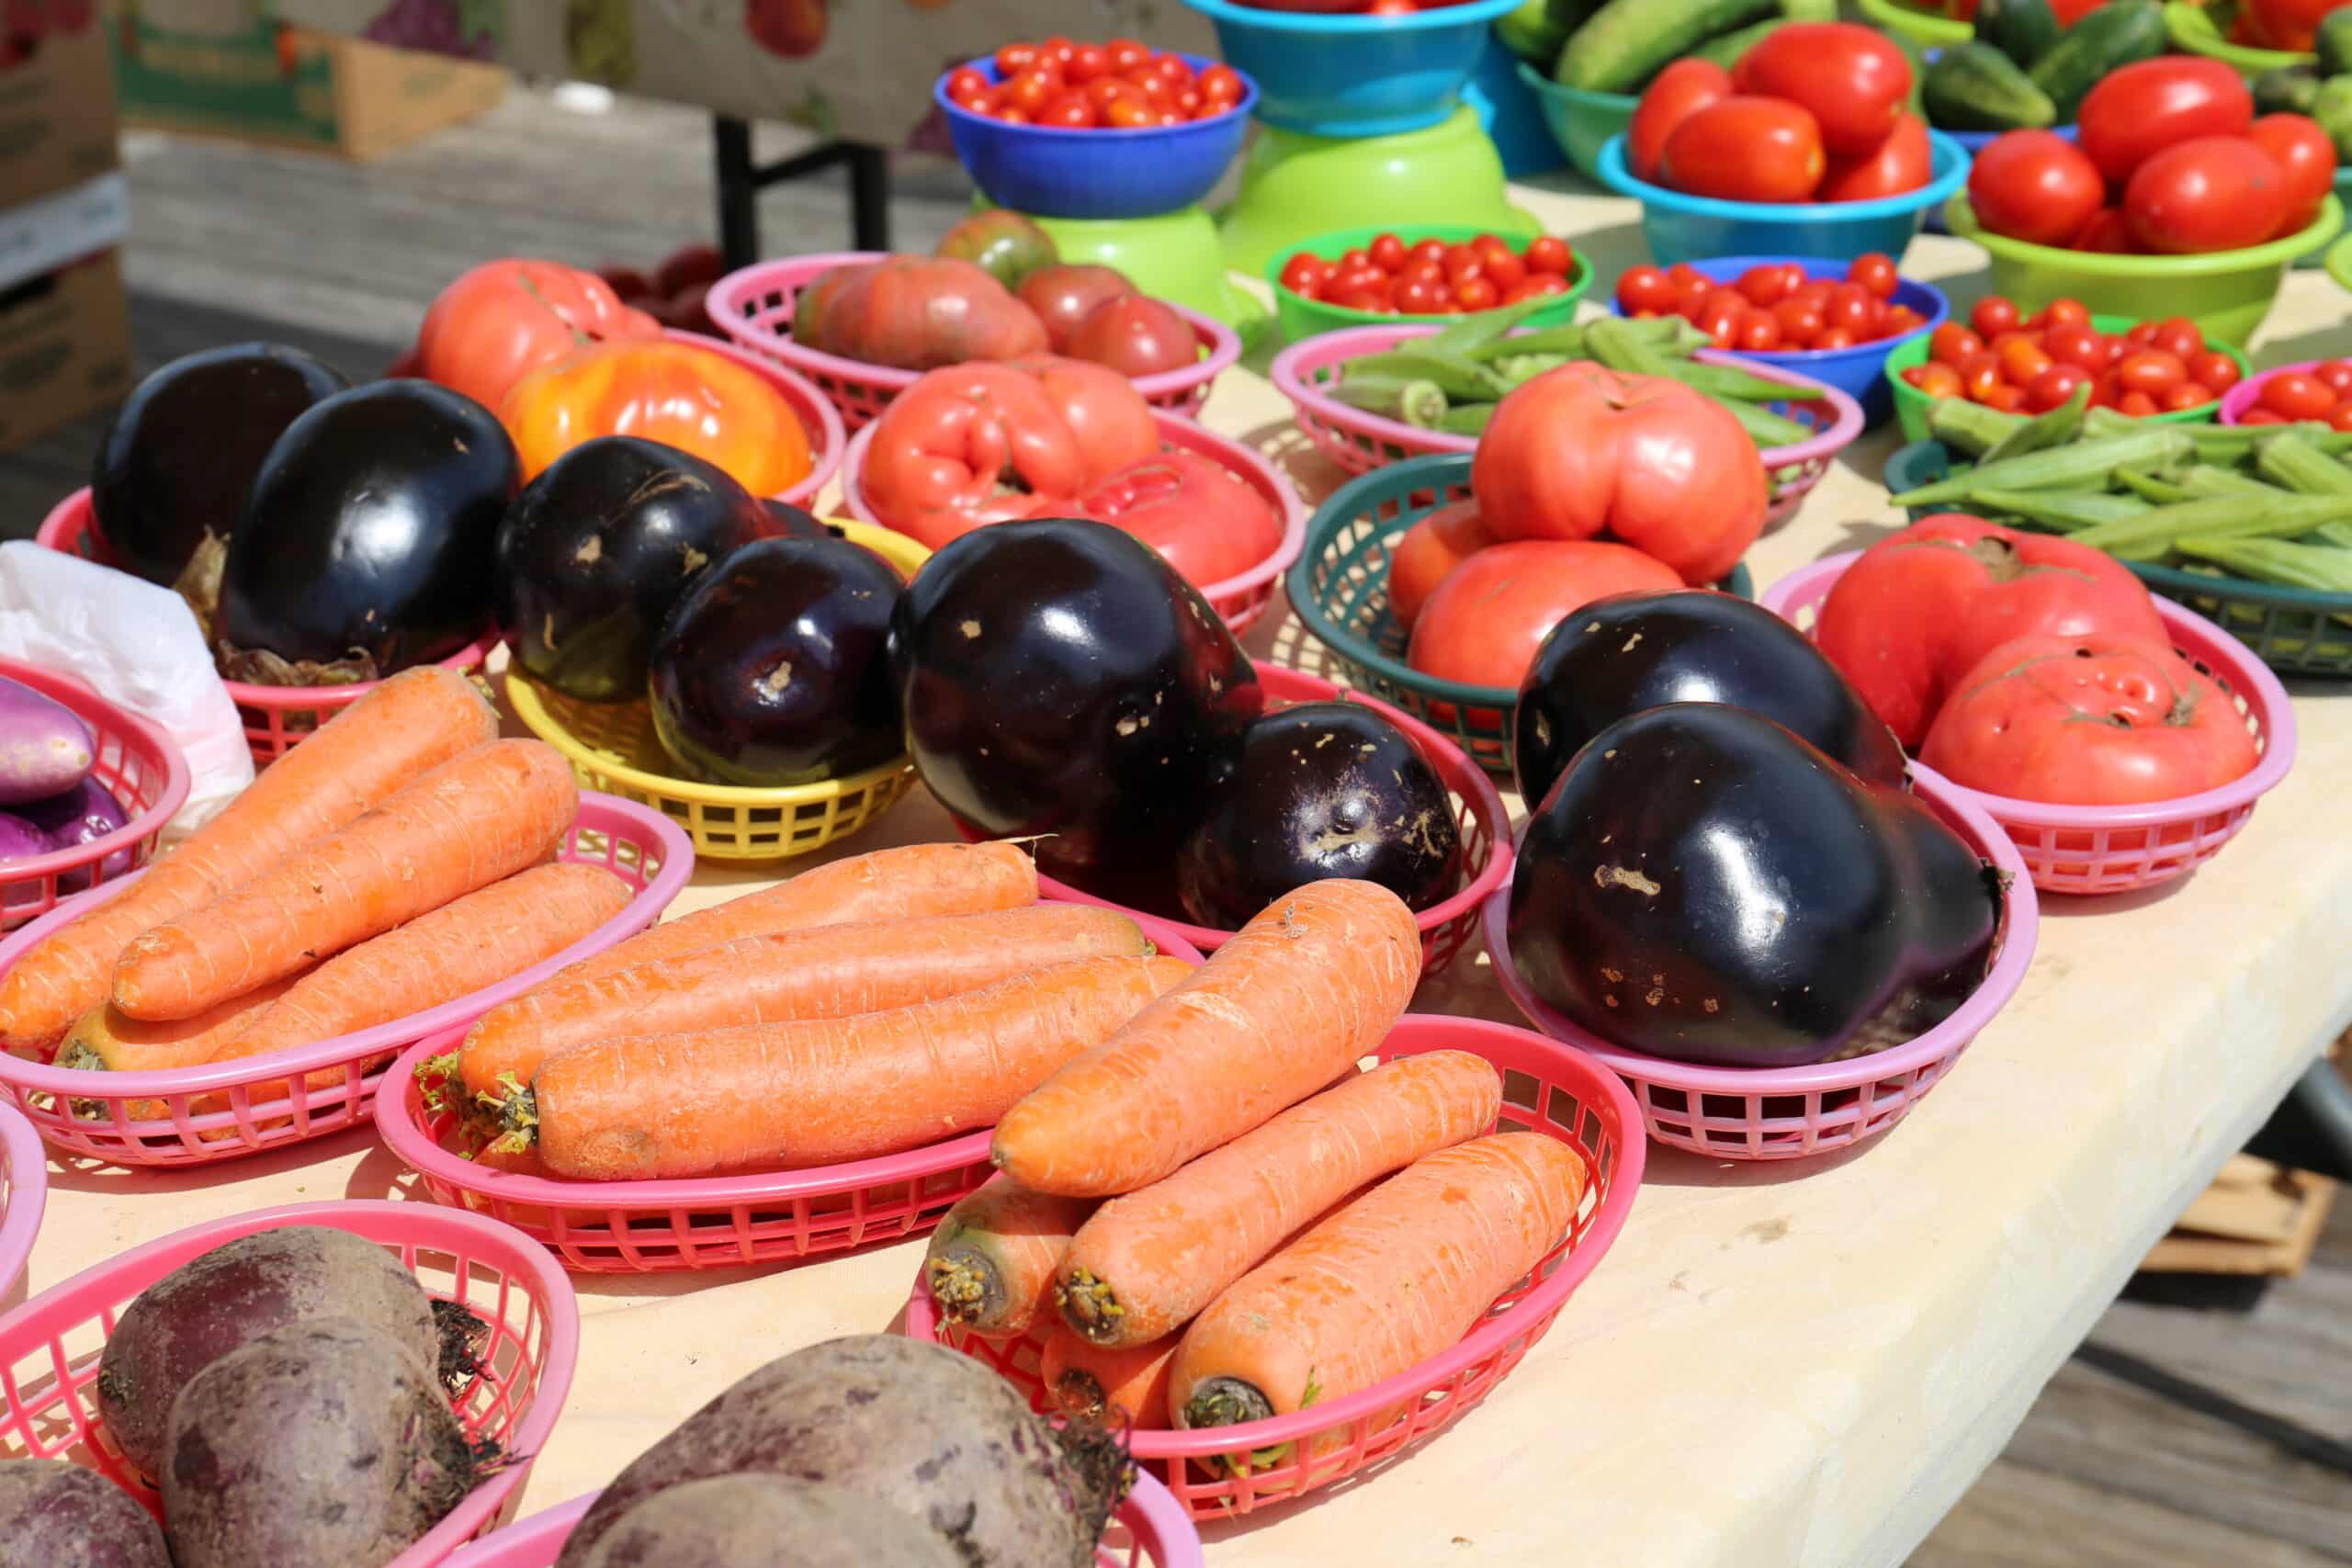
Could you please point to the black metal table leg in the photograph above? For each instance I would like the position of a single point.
(869, 197)
(737, 185)
(739, 182)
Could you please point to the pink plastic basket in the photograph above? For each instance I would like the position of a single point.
(1771, 1113)
(23, 1189)
(754, 308)
(136, 762)
(1359, 441)
(720, 1222)
(1240, 599)
(1559, 1092)
(2112, 849)
(190, 1116)
(48, 1347)
(828, 437)
(2247, 393)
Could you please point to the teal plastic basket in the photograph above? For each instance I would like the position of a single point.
(1339, 589)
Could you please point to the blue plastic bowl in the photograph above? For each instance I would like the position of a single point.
(1859, 371)
(1693, 228)
(1352, 75)
(1048, 172)
(1513, 118)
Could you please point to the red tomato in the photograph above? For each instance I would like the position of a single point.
(2088, 720)
(1015, 58)
(1581, 449)
(1058, 49)
(1087, 61)
(2108, 232)
(1900, 319)
(1464, 262)
(2337, 373)
(1475, 294)
(1677, 93)
(1648, 289)
(1386, 251)
(1902, 161)
(503, 319)
(2263, 416)
(1800, 322)
(1068, 112)
(966, 87)
(2139, 110)
(2064, 312)
(1429, 549)
(2178, 335)
(2295, 394)
(1952, 343)
(2142, 334)
(1124, 53)
(2006, 398)
(1430, 250)
(2341, 419)
(1062, 296)
(1719, 318)
(943, 450)
(1305, 274)
(1502, 268)
(2306, 158)
(1851, 308)
(2215, 369)
(1416, 297)
(2187, 395)
(2023, 360)
(2055, 386)
(1874, 272)
(1766, 285)
(1128, 112)
(2213, 193)
(2284, 24)
(1549, 253)
(1980, 374)
(1994, 316)
(1755, 332)
(2035, 185)
(1208, 522)
(2075, 346)
(2139, 405)
(1936, 380)
(1136, 336)
(1745, 149)
(2151, 370)
(1030, 92)
(1852, 79)
(1488, 620)
(1221, 88)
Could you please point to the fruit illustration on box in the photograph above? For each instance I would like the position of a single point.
(793, 29)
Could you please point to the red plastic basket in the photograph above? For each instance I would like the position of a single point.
(2113, 849)
(754, 308)
(140, 767)
(1770, 1113)
(169, 1117)
(1239, 600)
(48, 1347)
(717, 1221)
(1559, 1092)
(23, 1189)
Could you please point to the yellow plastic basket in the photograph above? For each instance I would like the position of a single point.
(612, 747)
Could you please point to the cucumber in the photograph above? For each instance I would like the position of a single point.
(1533, 33)
(1725, 48)
(1974, 86)
(2287, 89)
(2332, 107)
(1628, 41)
(2120, 33)
(2333, 43)
(1809, 10)
(2021, 29)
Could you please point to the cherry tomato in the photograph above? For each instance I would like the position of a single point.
(2064, 313)
(2055, 386)
(1755, 332)
(1549, 253)
(1125, 54)
(1070, 111)
(2179, 334)
(1546, 283)
(2151, 370)
(2187, 395)
(1900, 319)
(2139, 405)
(1993, 316)
(1188, 103)
(2116, 349)
(1015, 58)
(1056, 49)
(968, 83)
(1128, 113)
(2008, 398)
(1222, 87)
(2263, 416)
(1531, 288)
(1746, 149)
(1087, 62)
(1462, 262)
(2137, 111)
(1978, 373)
(1174, 66)
(1936, 380)
(1360, 299)
(2296, 394)
(1852, 308)
(1875, 272)
(1768, 284)
(2035, 185)
(2079, 346)
(1501, 265)
(1010, 116)
(2211, 193)
(1719, 317)
(1800, 324)
(1150, 84)
(2337, 373)
(1305, 274)
(2341, 419)
(2219, 371)
(2108, 233)
(1648, 289)
(1421, 272)
(2022, 360)
(1421, 298)
(1832, 337)
(2306, 158)
(1431, 251)
(1952, 343)
(1105, 91)
(1476, 294)
(1030, 92)
(2143, 333)
(1387, 252)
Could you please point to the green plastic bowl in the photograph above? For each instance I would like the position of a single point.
(1302, 317)
(1922, 28)
(1911, 404)
(1581, 122)
(2192, 32)
(2227, 293)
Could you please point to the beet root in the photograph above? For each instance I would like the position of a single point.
(54, 1514)
(755, 1522)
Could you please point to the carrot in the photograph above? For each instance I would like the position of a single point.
(1103, 1384)
(475, 818)
(823, 972)
(417, 720)
(1391, 1278)
(822, 1091)
(888, 884)
(990, 1263)
(1275, 1014)
(1147, 1262)
(105, 1039)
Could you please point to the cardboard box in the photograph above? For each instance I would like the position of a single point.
(64, 346)
(57, 109)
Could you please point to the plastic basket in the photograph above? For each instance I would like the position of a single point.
(137, 763)
(1338, 591)
(1239, 600)
(2247, 392)
(1775, 1113)
(1559, 1092)
(715, 1222)
(192, 1116)
(1911, 404)
(1149, 1530)
(48, 1347)
(23, 1189)
(1303, 318)
(2113, 849)
(754, 308)
(612, 747)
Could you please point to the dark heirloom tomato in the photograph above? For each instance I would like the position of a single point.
(1208, 523)
(1136, 336)
(1065, 294)
(915, 313)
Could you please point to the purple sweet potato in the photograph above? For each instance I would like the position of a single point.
(757, 1521)
(54, 1514)
(321, 1442)
(20, 841)
(910, 1425)
(45, 749)
(83, 815)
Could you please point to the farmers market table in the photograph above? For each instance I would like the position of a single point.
(1786, 1365)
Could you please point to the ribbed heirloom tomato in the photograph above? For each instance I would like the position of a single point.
(1208, 523)
(682, 396)
(505, 319)
(1851, 79)
(1746, 149)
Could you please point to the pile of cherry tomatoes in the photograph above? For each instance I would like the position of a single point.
(1775, 308)
(1118, 85)
(2029, 364)
(1432, 278)
(2321, 391)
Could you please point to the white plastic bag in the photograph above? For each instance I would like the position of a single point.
(136, 645)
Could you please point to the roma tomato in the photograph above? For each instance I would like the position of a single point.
(1580, 449)
(916, 313)
(1064, 295)
(1677, 93)
(2108, 232)
(505, 319)
(695, 399)
(2214, 193)
(966, 446)
(1205, 520)
(2035, 185)
(1488, 619)
(2089, 721)
(1852, 79)
(2285, 24)
(2306, 158)
(1744, 149)
(1430, 550)
(2139, 110)
(1136, 336)
(1902, 161)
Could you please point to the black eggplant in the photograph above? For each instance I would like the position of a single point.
(1702, 885)
(181, 454)
(365, 545)
(1631, 651)
(597, 550)
(1322, 789)
(1059, 680)
(775, 668)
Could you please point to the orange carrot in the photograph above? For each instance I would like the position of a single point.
(827, 1089)
(106, 1039)
(1392, 1278)
(888, 884)
(477, 817)
(1147, 1262)
(417, 720)
(990, 1263)
(823, 972)
(1105, 1384)
(1277, 1013)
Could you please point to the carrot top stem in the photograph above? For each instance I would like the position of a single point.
(1090, 1305)
(966, 1283)
(1226, 1401)
(1079, 1392)
(515, 1111)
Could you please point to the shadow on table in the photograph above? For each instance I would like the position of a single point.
(1679, 1168)
(2072, 906)
(74, 1173)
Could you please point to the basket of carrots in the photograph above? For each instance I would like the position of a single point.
(391, 879)
(1202, 1228)
(805, 1069)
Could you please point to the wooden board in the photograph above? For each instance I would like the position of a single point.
(2256, 1218)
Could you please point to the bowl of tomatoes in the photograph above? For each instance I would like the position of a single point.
(1064, 129)
(1436, 272)
(2311, 389)
(1354, 68)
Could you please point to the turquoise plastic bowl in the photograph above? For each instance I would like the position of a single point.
(1693, 228)
(1580, 121)
(1352, 75)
